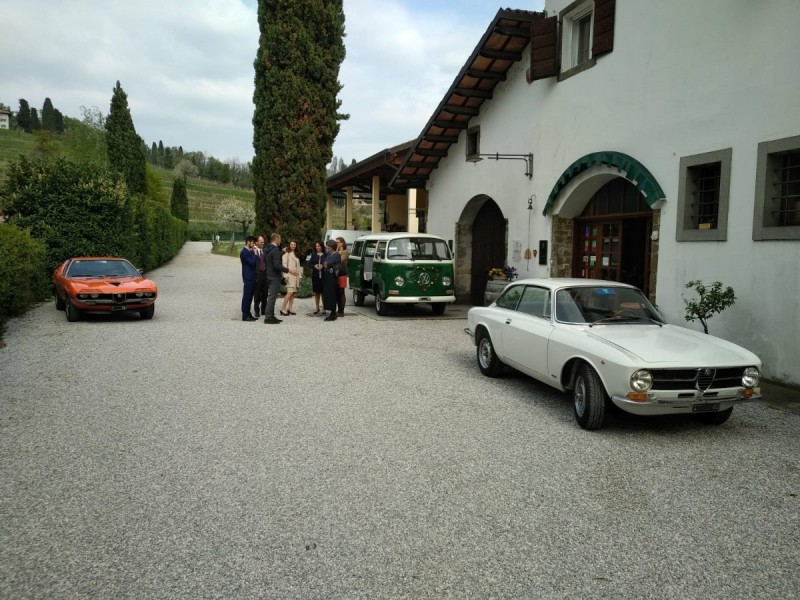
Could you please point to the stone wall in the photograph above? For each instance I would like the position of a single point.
(561, 247)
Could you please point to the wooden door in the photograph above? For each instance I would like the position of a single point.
(488, 247)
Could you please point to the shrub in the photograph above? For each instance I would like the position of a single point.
(23, 276)
(713, 300)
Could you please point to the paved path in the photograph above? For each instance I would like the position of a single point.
(197, 456)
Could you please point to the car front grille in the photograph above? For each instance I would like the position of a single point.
(116, 298)
(697, 379)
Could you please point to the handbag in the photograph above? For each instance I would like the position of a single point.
(283, 281)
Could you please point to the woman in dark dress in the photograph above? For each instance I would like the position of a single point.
(315, 261)
(330, 279)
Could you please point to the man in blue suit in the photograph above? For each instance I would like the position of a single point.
(249, 260)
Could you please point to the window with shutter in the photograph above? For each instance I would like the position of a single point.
(544, 49)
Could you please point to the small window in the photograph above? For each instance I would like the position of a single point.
(510, 297)
(576, 37)
(473, 143)
(370, 249)
(777, 201)
(357, 247)
(703, 196)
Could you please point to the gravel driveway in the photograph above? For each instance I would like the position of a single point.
(199, 456)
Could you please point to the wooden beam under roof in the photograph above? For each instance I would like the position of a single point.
(485, 94)
(450, 124)
(478, 74)
(445, 139)
(500, 54)
(461, 110)
(430, 152)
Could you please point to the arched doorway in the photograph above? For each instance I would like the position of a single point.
(488, 247)
(611, 239)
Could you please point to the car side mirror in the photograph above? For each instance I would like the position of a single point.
(141, 271)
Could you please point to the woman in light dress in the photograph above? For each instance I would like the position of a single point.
(292, 261)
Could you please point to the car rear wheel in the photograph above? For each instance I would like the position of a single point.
(438, 308)
(73, 314)
(489, 364)
(715, 418)
(147, 313)
(380, 305)
(358, 297)
(589, 398)
(60, 305)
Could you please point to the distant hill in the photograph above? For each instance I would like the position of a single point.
(204, 195)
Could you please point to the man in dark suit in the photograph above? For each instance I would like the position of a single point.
(249, 260)
(260, 299)
(275, 271)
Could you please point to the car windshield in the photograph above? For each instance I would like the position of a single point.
(101, 268)
(415, 248)
(606, 304)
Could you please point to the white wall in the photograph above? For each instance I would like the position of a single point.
(685, 77)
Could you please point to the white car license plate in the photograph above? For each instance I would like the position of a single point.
(705, 407)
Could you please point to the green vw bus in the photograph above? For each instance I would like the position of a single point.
(401, 268)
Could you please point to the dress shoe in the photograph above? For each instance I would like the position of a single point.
(292, 313)
(249, 318)
(283, 314)
(258, 313)
(331, 317)
(272, 320)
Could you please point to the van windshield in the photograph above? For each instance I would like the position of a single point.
(418, 248)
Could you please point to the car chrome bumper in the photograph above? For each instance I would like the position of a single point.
(658, 404)
(413, 299)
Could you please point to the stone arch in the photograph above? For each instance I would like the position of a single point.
(481, 238)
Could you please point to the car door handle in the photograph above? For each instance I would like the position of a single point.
(508, 321)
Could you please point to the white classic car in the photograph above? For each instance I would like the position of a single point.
(604, 340)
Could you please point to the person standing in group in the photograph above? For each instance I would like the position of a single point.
(292, 262)
(260, 296)
(341, 248)
(249, 261)
(330, 279)
(315, 262)
(275, 271)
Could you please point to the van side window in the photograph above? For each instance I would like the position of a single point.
(380, 251)
(370, 249)
(357, 249)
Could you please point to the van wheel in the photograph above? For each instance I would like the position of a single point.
(358, 298)
(380, 305)
(438, 308)
(589, 398)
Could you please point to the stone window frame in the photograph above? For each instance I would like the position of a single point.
(767, 152)
(685, 230)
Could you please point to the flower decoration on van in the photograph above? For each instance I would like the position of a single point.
(426, 277)
(506, 272)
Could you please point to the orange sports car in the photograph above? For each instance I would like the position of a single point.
(102, 284)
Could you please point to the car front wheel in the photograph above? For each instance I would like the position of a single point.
(73, 314)
(147, 313)
(489, 364)
(589, 398)
(358, 298)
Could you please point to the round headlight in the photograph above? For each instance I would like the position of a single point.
(751, 377)
(95, 295)
(399, 281)
(83, 296)
(446, 280)
(641, 381)
(139, 294)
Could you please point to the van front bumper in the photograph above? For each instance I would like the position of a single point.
(412, 299)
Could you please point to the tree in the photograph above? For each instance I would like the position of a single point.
(59, 120)
(48, 116)
(185, 169)
(179, 202)
(24, 116)
(36, 125)
(296, 116)
(124, 146)
(713, 300)
(236, 214)
(87, 138)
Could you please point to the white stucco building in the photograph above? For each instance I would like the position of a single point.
(665, 147)
(5, 119)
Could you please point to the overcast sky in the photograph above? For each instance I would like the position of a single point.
(187, 67)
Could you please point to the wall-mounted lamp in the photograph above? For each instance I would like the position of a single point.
(528, 158)
(530, 202)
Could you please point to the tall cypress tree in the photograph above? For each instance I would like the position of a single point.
(48, 115)
(296, 116)
(59, 120)
(125, 153)
(36, 125)
(24, 116)
(179, 202)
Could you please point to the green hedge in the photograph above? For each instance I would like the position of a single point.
(23, 275)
